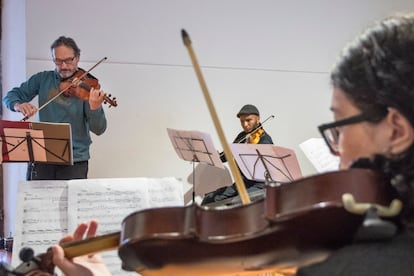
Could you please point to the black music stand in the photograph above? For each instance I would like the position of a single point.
(36, 142)
(194, 146)
(267, 163)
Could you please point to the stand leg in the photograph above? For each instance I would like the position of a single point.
(194, 182)
(30, 147)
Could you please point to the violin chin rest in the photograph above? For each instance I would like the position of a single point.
(354, 207)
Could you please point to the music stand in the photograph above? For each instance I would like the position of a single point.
(194, 146)
(36, 142)
(266, 162)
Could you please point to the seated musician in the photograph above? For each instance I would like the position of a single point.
(373, 107)
(253, 133)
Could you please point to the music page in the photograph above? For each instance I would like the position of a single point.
(41, 216)
(110, 201)
(51, 209)
(319, 155)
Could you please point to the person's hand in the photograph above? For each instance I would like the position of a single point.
(96, 98)
(90, 265)
(27, 109)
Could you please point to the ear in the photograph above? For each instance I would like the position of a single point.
(402, 136)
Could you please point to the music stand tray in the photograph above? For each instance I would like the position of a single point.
(194, 146)
(266, 162)
(36, 142)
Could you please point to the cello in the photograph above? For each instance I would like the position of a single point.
(296, 223)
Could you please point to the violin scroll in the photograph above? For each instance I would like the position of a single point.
(40, 265)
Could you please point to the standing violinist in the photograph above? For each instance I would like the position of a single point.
(83, 116)
(253, 133)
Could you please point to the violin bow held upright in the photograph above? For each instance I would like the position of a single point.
(232, 164)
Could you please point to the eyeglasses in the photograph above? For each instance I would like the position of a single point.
(330, 132)
(67, 61)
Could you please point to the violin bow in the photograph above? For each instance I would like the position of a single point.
(42, 264)
(232, 164)
(63, 90)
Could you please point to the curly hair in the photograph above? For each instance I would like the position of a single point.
(376, 70)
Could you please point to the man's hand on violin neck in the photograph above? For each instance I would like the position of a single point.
(27, 109)
(96, 98)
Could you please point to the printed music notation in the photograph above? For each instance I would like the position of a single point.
(51, 209)
(316, 150)
(41, 218)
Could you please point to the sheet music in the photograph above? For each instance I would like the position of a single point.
(59, 206)
(109, 202)
(41, 216)
(316, 150)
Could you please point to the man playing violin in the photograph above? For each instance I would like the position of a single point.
(253, 133)
(83, 116)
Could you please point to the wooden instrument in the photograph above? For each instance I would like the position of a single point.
(296, 223)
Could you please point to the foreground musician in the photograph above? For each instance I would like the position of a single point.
(253, 133)
(372, 103)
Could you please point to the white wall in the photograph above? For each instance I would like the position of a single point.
(13, 71)
(274, 54)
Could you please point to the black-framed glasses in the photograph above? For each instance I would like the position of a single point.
(330, 132)
(67, 61)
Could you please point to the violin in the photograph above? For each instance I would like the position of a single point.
(80, 84)
(254, 137)
(269, 233)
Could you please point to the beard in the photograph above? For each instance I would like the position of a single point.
(66, 73)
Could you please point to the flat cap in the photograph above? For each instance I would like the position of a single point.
(247, 110)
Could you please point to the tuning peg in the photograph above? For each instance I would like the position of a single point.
(26, 254)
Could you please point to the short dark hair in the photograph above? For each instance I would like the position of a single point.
(68, 42)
